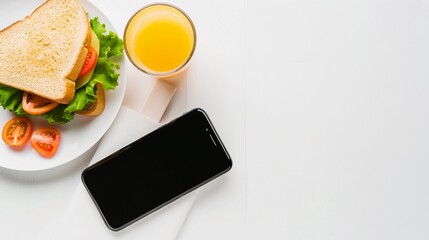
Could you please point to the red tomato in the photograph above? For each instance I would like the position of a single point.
(37, 105)
(90, 61)
(45, 141)
(17, 131)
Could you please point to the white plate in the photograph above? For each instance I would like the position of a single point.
(82, 132)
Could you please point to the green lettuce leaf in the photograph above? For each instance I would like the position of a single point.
(10, 99)
(104, 73)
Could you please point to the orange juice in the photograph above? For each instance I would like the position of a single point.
(160, 39)
(163, 45)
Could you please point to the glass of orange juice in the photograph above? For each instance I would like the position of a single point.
(160, 40)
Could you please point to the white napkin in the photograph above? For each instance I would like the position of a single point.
(82, 219)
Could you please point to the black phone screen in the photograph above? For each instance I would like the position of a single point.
(156, 169)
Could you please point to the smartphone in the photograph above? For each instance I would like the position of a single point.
(156, 169)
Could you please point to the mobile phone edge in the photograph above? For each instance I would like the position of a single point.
(89, 192)
(215, 132)
(164, 204)
(171, 200)
(191, 189)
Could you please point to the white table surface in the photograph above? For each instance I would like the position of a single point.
(323, 106)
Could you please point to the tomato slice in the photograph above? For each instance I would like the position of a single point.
(90, 61)
(36, 105)
(17, 131)
(45, 141)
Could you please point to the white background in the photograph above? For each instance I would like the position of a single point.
(322, 105)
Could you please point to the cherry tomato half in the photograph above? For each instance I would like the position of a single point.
(36, 105)
(90, 61)
(17, 131)
(46, 141)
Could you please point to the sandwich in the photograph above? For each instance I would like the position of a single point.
(55, 63)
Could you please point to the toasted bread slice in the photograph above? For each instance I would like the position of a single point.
(44, 53)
